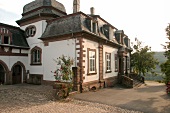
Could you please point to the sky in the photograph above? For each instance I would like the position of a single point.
(142, 19)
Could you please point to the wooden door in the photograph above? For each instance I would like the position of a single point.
(17, 74)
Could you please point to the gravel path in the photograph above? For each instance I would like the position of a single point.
(38, 99)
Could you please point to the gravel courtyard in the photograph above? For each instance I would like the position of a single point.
(25, 98)
(148, 98)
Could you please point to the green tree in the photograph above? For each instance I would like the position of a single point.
(165, 67)
(142, 59)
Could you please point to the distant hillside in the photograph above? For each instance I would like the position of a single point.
(160, 56)
(161, 59)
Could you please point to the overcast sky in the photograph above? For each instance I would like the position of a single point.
(144, 19)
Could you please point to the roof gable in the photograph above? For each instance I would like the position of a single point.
(17, 35)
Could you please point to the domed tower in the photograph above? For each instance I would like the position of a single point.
(34, 17)
(41, 10)
(34, 22)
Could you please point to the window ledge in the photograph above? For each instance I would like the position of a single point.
(108, 71)
(89, 74)
(36, 64)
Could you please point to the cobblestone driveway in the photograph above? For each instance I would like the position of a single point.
(25, 98)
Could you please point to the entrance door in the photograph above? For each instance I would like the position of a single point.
(2, 75)
(17, 74)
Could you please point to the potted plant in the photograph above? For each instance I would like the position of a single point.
(63, 75)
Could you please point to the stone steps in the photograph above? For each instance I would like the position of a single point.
(136, 83)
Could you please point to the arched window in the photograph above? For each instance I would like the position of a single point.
(30, 31)
(36, 56)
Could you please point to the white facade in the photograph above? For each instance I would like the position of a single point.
(11, 60)
(53, 33)
(113, 52)
(53, 51)
(33, 42)
(91, 45)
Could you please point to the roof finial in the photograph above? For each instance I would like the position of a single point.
(76, 6)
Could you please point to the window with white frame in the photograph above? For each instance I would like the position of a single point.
(108, 62)
(91, 61)
(116, 62)
(36, 55)
(30, 31)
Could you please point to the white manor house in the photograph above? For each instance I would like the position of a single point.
(100, 51)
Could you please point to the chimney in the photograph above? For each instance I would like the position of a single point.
(92, 10)
(76, 6)
(111, 33)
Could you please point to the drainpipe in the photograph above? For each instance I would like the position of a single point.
(72, 35)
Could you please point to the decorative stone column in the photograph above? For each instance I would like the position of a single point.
(77, 85)
(101, 80)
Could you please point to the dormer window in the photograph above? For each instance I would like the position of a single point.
(30, 31)
(94, 27)
(102, 30)
(6, 40)
(106, 29)
(89, 24)
(5, 36)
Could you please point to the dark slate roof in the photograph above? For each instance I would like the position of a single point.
(18, 36)
(61, 26)
(119, 31)
(79, 22)
(72, 23)
(39, 3)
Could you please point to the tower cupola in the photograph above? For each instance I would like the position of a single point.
(41, 10)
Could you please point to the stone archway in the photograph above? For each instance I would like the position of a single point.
(4, 73)
(18, 73)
